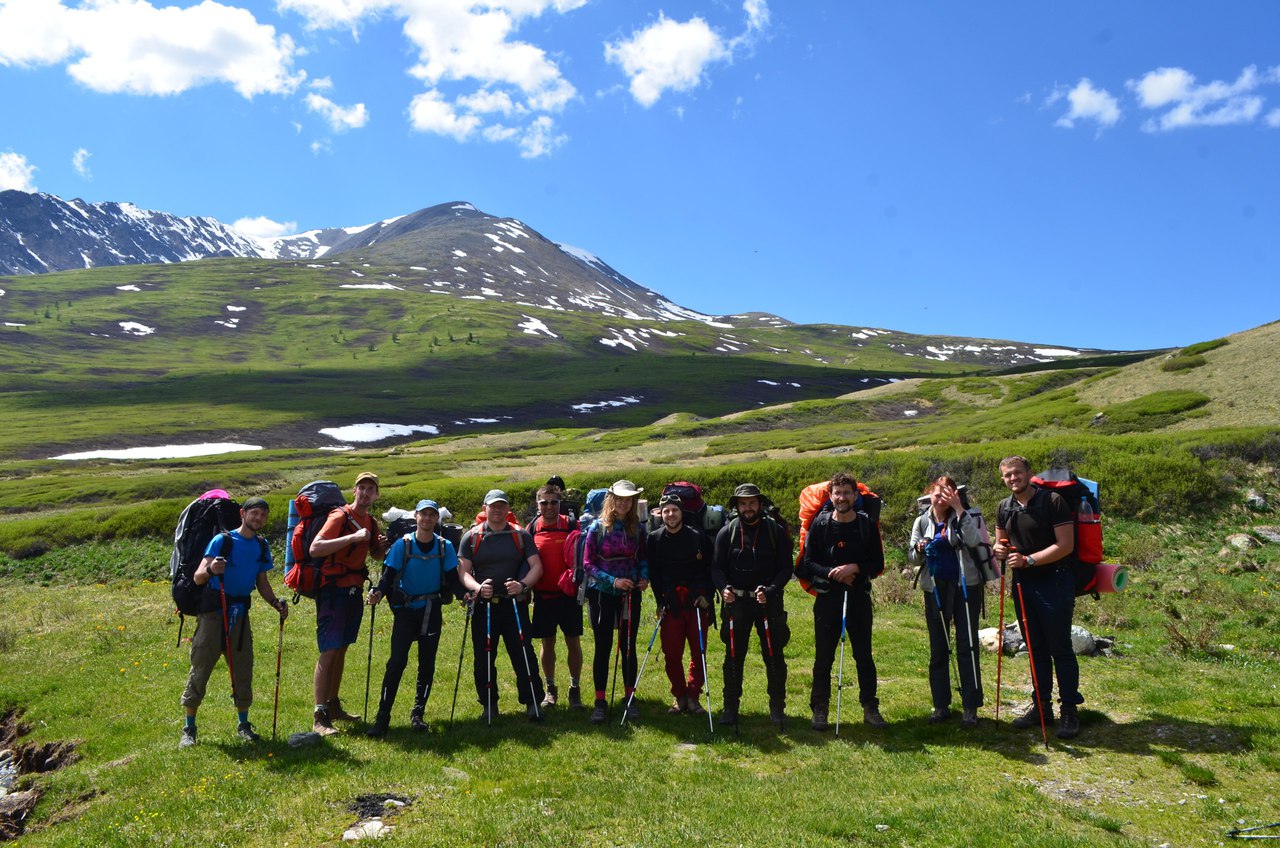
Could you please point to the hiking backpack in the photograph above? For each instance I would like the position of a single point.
(212, 513)
(699, 514)
(983, 559)
(307, 514)
(815, 499)
(1082, 497)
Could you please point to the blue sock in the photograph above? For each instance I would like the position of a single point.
(244, 716)
(191, 721)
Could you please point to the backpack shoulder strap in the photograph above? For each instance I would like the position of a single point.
(264, 551)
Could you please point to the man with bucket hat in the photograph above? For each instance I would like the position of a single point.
(412, 578)
(750, 569)
(498, 563)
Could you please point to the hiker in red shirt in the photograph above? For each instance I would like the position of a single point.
(346, 540)
(552, 608)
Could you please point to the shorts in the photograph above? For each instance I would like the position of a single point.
(555, 611)
(338, 616)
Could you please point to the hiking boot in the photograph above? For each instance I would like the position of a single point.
(533, 712)
(337, 713)
(969, 718)
(416, 722)
(378, 729)
(820, 720)
(778, 715)
(1031, 718)
(321, 723)
(939, 715)
(550, 699)
(695, 706)
(871, 716)
(1069, 725)
(488, 713)
(188, 738)
(575, 698)
(601, 712)
(633, 710)
(729, 715)
(679, 705)
(246, 732)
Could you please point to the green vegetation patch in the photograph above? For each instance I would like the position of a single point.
(1204, 347)
(1150, 412)
(1182, 363)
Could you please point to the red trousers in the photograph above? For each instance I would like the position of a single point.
(678, 628)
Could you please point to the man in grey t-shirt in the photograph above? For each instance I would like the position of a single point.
(497, 563)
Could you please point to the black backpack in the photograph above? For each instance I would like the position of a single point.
(203, 519)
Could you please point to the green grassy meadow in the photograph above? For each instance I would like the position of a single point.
(1181, 734)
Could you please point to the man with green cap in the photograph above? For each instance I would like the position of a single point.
(234, 564)
(751, 567)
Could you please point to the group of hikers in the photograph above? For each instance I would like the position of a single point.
(499, 570)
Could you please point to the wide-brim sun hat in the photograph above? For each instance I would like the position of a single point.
(745, 490)
(624, 489)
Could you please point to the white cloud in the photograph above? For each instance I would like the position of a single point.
(339, 118)
(1273, 119)
(321, 146)
(667, 55)
(265, 228)
(430, 112)
(1188, 104)
(469, 59)
(1087, 104)
(321, 84)
(80, 161)
(540, 138)
(16, 172)
(131, 46)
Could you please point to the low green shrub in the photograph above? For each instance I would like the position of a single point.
(1204, 347)
(1182, 363)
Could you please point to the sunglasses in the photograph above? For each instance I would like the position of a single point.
(542, 503)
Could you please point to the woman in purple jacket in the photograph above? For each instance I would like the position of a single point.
(617, 573)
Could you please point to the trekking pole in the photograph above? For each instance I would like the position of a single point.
(226, 634)
(946, 631)
(368, 667)
(613, 689)
(661, 612)
(1000, 643)
(525, 651)
(844, 617)
(733, 662)
(275, 712)
(1236, 832)
(488, 662)
(462, 649)
(1031, 658)
(706, 682)
(969, 636)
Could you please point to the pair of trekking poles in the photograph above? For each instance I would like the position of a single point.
(226, 643)
(489, 660)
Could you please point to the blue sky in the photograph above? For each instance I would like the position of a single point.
(1089, 174)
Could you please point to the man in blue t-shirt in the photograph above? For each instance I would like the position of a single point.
(412, 576)
(234, 565)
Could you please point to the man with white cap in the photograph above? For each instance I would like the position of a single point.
(498, 563)
(412, 577)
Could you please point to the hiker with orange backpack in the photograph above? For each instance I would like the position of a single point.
(349, 535)
(498, 563)
(843, 552)
(750, 570)
(941, 540)
(1035, 538)
(234, 564)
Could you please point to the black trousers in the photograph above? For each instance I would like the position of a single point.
(1051, 602)
(737, 620)
(608, 614)
(504, 621)
(851, 605)
(966, 629)
(406, 630)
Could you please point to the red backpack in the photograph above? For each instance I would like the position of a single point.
(303, 573)
(1086, 513)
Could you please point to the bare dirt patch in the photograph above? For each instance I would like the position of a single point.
(26, 758)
